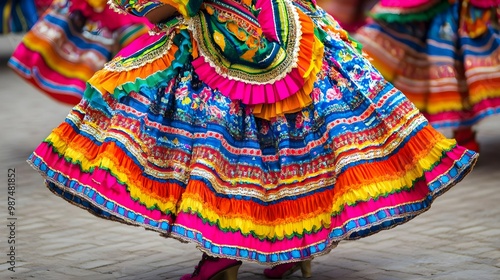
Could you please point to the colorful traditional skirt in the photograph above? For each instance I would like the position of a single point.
(152, 144)
(444, 58)
(58, 59)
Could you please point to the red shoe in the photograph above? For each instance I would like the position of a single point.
(467, 139)
(284, 270)
(211, 268)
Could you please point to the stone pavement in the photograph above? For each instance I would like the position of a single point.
(458, 238)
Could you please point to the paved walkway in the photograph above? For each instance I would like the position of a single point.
(459, 238)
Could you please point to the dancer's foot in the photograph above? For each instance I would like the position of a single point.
(211, 268)
(287, 269)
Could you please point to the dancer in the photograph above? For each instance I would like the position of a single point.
(70, 43)
(258, 136)
(443, 55)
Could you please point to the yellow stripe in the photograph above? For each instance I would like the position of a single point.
(191, 202)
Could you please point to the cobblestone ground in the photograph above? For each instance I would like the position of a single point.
(458, 238)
